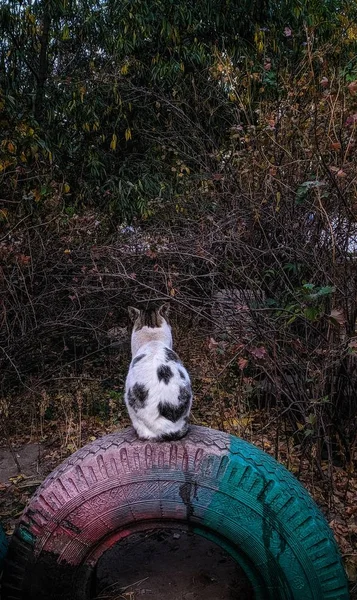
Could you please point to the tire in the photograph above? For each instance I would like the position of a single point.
(217, 485)
(3, 547)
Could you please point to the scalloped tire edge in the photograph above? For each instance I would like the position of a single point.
(215, 484)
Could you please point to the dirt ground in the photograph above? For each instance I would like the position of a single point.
(170, 565)
(28, 458)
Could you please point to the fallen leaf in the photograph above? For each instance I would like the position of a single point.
(352, 88)
(351, 568)
(259, 352)
(337, 315)
(242, 363)
(212, 343)
(23, 260)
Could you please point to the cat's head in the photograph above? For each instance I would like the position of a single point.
(150, 325)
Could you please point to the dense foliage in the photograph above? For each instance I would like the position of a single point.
(109, 101)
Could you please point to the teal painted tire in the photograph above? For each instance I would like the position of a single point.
(217, 485)
(3, 547)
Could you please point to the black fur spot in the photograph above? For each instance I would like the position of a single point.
(174, 413)
(137, 358)
(171, 355)
(182, 374)
(137, 396)
(184, 396)
(171, 412)
(164, 373)
(174, 435)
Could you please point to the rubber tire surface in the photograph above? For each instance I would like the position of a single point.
(216, 484)
(3, 547)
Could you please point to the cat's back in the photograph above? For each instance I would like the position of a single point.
(156, 364)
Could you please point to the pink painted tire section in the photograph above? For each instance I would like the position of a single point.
(210, 482)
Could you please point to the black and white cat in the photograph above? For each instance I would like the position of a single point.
(158, 391)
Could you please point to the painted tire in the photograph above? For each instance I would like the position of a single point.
(217, 485)
(3, 547)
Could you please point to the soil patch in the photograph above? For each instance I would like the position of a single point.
(25, 460)
(170, 565)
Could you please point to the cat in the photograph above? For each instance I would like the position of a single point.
(158, 392)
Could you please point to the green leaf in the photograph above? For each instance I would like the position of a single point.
(311, 313)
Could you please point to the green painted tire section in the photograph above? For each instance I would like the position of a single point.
(3, 547)
(288, 537)
(218, 485)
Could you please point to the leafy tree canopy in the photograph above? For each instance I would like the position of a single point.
(121, 100)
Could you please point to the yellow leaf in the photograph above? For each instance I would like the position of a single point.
(128, 134)
(82, 91)
(17, 478)
(236, 423)
(4, 165)
(11, 148)
(67, 251)
(36, 194)
(66, 188)
(113, 143)
(65, 33)
(124, 69)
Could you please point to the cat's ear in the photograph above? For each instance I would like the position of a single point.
(164, 310)
(134, 313)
